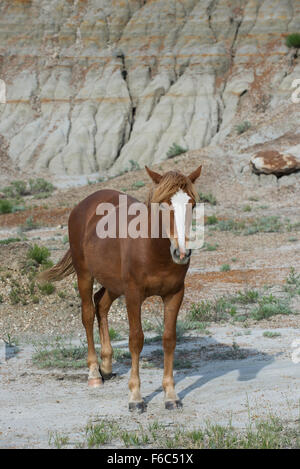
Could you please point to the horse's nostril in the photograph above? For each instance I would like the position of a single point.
(177, 253)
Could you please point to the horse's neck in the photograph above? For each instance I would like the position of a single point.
(155, 233)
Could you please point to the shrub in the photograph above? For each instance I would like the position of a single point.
(39, 185)
(243, 127)
(211, 220)
(47, 288)
(38, 254)
(6, 206)
(293, 40)
(175, 150)
(209, 198)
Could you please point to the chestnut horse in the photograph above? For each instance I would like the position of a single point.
(134, 267)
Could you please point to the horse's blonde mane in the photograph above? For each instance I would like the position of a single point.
(169, 184)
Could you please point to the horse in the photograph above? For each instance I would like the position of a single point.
(136, 267)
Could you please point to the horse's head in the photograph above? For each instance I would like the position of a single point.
(176, 195)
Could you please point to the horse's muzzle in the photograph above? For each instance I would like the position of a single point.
(176, 255)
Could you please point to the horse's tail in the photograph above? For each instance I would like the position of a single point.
(59, 271)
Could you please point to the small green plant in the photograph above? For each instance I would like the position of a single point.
(271, 335)
(113, 334)
(270, 306)
(37, 186)
(57, 440)
(292, 283)
(175, 150)
(211, 220)
(247, 208)
(225, 268)
(47, 288)
(293, 40)
(10, 240)
(138, 184)
(29, 225)
(243, 127)
(121, 354)
(59, 354)
(134, 166)
(6, 206)
(209, 198)
(40, 254)
(65, 239)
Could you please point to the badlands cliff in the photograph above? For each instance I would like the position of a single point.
(101, 85)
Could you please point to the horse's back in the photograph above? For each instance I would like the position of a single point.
(100, 257)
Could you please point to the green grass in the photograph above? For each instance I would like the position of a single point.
(247, 304)
(271, 335)
(59, 355)
(225, 268)
(47, 288)
(9, 241)
(137, 184)
(268, 433)
(270, 306)
(39, 254)
(58, 440)
(268, 224)
(211, 220)
(113, 334)
(40, 185)
(293, 40)
(175, 150)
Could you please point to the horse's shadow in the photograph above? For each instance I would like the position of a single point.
(222, 359)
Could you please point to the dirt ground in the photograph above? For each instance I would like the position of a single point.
(219, 385)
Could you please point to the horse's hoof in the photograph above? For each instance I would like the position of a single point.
(95, 382)
(107, 376)
(171, 405)
(140, 407)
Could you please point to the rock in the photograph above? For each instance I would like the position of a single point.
(93, 85)
(273, 162)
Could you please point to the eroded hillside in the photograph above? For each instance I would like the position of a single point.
(98, 85)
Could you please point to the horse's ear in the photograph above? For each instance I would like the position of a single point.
(195, 174)
(156, 177)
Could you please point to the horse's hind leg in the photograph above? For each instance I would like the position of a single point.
(103, 300)
(85, 287)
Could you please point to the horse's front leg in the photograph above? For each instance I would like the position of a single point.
(136, 342)
(172, 304)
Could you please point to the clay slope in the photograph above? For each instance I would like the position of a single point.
(101, 85)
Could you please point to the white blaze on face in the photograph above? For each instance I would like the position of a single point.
(179, 202)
